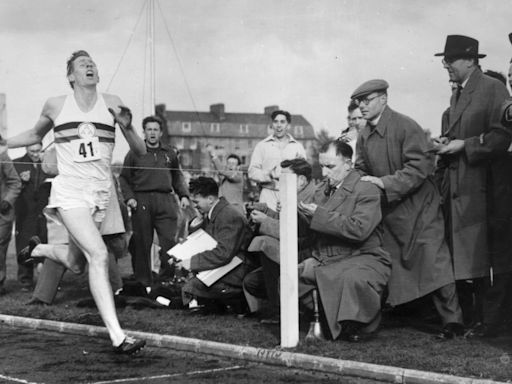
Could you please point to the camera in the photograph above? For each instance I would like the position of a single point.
(251, 206)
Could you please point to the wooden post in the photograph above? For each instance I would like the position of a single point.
(288, 257)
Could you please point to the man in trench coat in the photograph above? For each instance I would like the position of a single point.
(348, 265)
(392, 151)
(476, 181)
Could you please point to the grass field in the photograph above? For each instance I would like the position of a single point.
(397, 343)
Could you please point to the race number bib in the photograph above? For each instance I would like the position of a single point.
(86, 150)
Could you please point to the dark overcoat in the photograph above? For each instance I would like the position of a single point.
(396, 152)
(349, 266)
(30, 203)
(477, 181)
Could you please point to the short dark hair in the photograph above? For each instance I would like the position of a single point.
(69, 64)
(342, 149)
(299, 166)
(204, 186)
(352, 106)
(152, 119)
(281, 112)
(496, 75)
(233, 156)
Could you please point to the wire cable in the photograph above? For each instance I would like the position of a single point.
(182, 70)
(127, 45)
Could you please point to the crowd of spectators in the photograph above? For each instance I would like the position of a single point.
(397, 216)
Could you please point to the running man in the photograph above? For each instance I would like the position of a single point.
(84, 128)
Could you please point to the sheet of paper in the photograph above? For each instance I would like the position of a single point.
(211, 276)
(195, 243)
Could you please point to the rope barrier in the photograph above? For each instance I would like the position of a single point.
(146, 168)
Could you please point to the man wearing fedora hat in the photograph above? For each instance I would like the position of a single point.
(392, 151)
(476, 192)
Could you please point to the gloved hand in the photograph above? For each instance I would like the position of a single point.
(5, 207)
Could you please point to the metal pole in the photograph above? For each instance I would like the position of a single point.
(152, 64)
(288, 260)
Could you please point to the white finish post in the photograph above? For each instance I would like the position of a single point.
(288, 257)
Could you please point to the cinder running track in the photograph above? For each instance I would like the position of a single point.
(43, 357)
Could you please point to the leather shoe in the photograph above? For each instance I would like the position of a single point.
(482, 331)
(36, 301)
(450, 331)
(272, 320)
(129, 346)
(25, 255)
(351, 337)
(351, 331)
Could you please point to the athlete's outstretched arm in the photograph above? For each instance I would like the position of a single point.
(36, 134)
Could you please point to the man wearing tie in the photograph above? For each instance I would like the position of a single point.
(475, 173)
(29, 206)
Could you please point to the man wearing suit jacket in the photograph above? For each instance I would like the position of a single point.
(232, 232)
(475, 171)
(10, 187)
(29, 206)
(348, 264)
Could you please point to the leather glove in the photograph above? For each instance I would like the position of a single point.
(5, 207)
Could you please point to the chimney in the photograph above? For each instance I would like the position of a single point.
(218, 111)
(271, 108)
(160, 109)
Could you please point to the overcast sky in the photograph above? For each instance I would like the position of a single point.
(305, 56)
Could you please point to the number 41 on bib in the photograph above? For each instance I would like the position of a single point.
(86, 150)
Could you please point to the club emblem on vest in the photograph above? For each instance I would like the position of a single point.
(86, 130)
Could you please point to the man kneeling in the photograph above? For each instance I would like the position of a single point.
(230, 229)
(348, 267)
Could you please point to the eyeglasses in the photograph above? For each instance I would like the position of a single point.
(366, 100)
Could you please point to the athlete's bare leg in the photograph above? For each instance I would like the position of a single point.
(83, 230)
(68, 255)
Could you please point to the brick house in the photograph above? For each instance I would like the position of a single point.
(229, 133)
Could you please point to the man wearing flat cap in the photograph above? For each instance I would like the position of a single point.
(474, 170)
(392, 151)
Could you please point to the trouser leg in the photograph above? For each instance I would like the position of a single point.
(5, 237)
(48, 281)
(142, 239)
(113, 273)
(26, 227)
(165, 222)
(470, 301)
(446, 302)
(115, 245)
(494, 296)
(254, 283)
(271, 272)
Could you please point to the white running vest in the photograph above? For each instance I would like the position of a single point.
(84, 140)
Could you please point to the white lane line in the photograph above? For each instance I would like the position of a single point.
(136, 379)
(17, 380)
